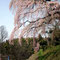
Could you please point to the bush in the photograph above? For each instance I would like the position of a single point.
(18, 52)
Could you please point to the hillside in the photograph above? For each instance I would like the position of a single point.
(52, 53)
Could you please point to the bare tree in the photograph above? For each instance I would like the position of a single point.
(33, 16)
(3, 33)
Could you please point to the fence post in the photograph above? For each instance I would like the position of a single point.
(8, 57)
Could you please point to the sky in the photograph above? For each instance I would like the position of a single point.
(6, 16)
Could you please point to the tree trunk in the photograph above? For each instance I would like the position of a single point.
(34, 42)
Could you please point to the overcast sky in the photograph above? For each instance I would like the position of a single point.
(6, 17)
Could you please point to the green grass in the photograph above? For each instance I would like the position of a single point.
(52, 53)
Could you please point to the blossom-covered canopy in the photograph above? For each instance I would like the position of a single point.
(33, 16)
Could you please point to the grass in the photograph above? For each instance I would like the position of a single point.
(52, 53)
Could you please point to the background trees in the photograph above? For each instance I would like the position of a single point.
(3, 36)
(3, 33)
(15, 51)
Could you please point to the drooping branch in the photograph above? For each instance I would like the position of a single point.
(32, 15)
